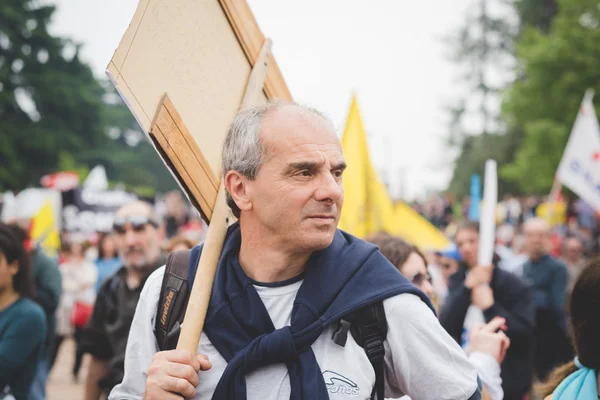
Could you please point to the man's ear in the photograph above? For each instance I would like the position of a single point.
(235, 183)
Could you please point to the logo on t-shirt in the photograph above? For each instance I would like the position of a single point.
(339, 384)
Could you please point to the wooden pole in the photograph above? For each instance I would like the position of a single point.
(195, 314)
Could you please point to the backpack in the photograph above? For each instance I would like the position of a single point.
(367, 325)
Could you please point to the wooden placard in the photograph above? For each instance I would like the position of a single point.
(190, 60)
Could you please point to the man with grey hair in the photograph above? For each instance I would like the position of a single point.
(287, 283)
(139, 233)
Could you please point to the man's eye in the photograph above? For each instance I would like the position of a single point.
(305, 172)
(338, 173)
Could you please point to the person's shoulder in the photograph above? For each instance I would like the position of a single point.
(406, 306)
(30, 306)
(457, 278)
(31, 314)
(40, 258)
(111, 282)
(557, 263)
(154, 281)
(509, 278)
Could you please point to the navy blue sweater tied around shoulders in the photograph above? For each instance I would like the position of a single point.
(344, 277)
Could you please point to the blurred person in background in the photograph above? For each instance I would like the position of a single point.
(22, 321)
(515, 260)
(531, 205)
(574, 259)
(448, 266)
(585, 214)
(47, 283)
(177, 243)
(489, 341)
(509, 210)
(79, 277)
(578, 379)
(177, 214)
(548, 279)
(590, 241)
(138, 233)
(479, 293)
(108, 261)
(407, 259)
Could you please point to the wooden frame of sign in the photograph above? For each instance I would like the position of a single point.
(198, 62)
(190, 154)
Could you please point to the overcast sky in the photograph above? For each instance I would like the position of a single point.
(390, 53)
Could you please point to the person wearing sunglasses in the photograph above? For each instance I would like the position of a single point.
(407, 259)
(138, 235)
(488, 341)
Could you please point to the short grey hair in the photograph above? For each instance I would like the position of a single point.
(243, 149)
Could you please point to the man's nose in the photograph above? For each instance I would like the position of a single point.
(427, 287)
(330, 189)
(130, 237)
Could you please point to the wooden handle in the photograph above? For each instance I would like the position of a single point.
(256, 81)
(195, 314)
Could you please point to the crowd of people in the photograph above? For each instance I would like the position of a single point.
(300, 309)
(68, 287)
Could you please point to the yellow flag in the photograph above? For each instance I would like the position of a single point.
(368, 208)
(558, 216)
(44, 230)
(415, 229)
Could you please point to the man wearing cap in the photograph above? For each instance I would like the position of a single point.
(442, 270)
(139, 233)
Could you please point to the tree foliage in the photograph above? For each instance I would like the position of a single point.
(482, 47)
(507, 140)
(55, 114)
(557, 69)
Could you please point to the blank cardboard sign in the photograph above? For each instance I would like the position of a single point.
(199, 53)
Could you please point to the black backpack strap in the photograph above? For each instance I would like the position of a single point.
(368, 327)
(174, 295)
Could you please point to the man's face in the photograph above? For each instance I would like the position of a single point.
(573, 249)
(467, 241)
(137, 239)
(297, 195)
(449, 266)
(536, 239)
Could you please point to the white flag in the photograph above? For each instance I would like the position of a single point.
(579, 169)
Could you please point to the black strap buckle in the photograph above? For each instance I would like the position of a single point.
(374, 349)
(340, 336)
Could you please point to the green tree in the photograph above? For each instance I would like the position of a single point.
(557, 69)
(536, 13)
(482, 47)
(505, 139)
(50, 102)
(127, 153)
(55, 115)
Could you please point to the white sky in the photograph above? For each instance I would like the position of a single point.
(388, 52)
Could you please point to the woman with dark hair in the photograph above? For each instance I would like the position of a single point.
(407, 259)
(578, 379)
(108, 260)
(488, 346)
(22, 321)
(479, 293)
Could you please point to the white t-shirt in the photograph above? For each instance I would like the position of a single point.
(421, 359)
